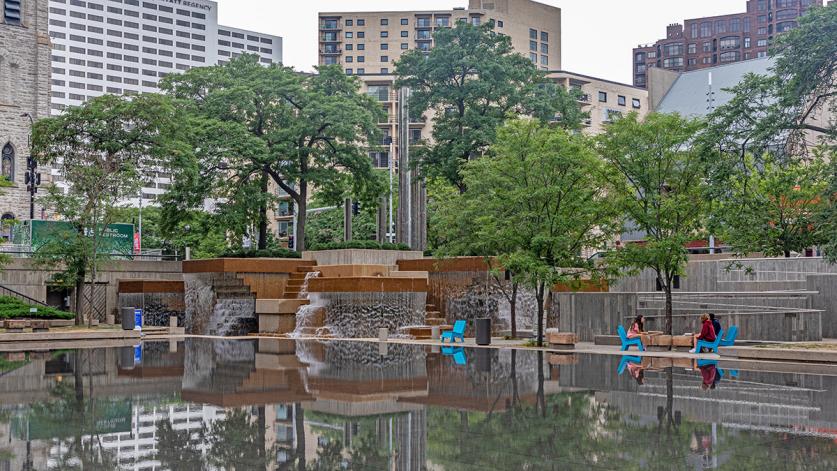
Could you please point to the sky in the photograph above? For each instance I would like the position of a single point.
(597, 35)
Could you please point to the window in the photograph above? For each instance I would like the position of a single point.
(384, 34)
(621, 100)
(361, 22)
(533, 45)
(405, 46)
(7, 164)
(361, 71)
(544, 60)
(361, 47)
(705, 29)
(384, 46)
(746, 26)
(635, 104)
(544, 36)
(533, 34)
(673, 62)
(673, 49)
(721, 26)
(500, 23)
(384, 70)
(640, 57)
(405, 21)
(361, 58)
(349, 35)
(786, 26)
(761, 43)
(603, 97)
(652, 54)
(730, 56)
(349, 71)
(384, 59)
(786, 14)
(544, 48)
(405, 34)
(747, 42)
(735, 25)
(730, 42)
(361, 35)
(533, 57)
(333, 47)
(349, 23)
(379, 159)
(693, 28)
(443, 21)
(785, 3)
(349, 59)
(384, 21)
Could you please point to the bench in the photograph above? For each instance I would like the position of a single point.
(15, 326)
(39, 325)
(561, 340)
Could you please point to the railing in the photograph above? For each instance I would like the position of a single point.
(113, 256)
(6, 291)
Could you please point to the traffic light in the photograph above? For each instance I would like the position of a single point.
(355, 208)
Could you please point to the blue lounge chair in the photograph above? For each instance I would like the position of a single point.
(729, 340)
(458, 332)
(713, 346)
(626, 342)
(625, 360)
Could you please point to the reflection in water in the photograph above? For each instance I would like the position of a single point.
(311, 405)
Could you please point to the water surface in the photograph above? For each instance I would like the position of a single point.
(311, 405)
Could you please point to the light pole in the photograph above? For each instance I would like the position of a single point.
(33, 179)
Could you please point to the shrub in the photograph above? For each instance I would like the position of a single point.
(255, 253)
(360, 244)
(13, 308)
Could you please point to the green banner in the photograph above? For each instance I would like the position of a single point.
(58, 421)
(115, 239)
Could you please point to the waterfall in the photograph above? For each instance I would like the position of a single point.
(303, 292)
(306, 315)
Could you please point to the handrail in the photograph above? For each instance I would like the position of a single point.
(15, 294)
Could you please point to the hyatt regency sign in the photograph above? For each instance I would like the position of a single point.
(189, 3)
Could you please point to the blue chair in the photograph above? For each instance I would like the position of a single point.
(625, 360)
(458, 332)
(729, 340)
(713, 346)
(626, 342)
(458, 354)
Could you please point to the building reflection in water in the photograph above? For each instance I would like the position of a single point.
(312, 405)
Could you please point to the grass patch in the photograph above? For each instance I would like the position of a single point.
(13, 308)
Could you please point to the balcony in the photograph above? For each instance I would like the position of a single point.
(328, 51)
(330, 38)
(424, 36)
(330, 25)
(424, 23)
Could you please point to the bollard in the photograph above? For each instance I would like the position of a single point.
(383, 334)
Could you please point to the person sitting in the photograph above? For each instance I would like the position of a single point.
(707, 332)
(715, 323)
(637, 328)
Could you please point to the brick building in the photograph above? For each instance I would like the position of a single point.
(24, 93)
(699, 43)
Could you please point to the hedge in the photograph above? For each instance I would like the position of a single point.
(264, 253)
(360, 244)
(13, 308)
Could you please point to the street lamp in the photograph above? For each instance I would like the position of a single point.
(33, 179)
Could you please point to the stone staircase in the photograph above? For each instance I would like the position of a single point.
(433, 317)
(279, 315)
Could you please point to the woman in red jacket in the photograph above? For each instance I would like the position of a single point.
(707, 331)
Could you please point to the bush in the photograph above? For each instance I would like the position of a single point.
(13, 308)
(360, 244)
(255, 253)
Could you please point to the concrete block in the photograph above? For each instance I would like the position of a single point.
(279, 306)
(682, 341)
(15, 326)
(563, 359)
(39, 325)
(276, 323)
(556, 337)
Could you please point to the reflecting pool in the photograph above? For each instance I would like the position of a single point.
(309, 405)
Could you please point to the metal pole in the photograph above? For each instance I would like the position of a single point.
(391, 162)
(140, 223)
(31, 167)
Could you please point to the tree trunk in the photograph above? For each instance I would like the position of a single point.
(515, 392)
(539, 296)
(669, 309)
(79, 288)
(787, 254)
(513, 309)
(302, 210)
(263, 213)
(541, 392)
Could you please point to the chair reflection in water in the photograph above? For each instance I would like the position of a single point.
(458, 354)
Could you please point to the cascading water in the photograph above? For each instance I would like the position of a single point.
(306, 316)
(303, 291)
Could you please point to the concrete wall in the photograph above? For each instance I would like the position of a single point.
(23, 276)
(825, 300)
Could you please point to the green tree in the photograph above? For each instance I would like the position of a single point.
(100, 148)
(773, 208)
(326, 226)
(255, 124)
(470, 83)
(237, 443)
(537, 205)
(656, 179)
(176, 449)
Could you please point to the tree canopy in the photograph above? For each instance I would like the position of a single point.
(469, 83)
(252, 125)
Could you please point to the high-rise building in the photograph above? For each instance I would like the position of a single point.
(367, 44)
(24, 96)
(707, 42)
(126, 46)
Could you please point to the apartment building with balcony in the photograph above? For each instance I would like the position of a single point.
(367, 44)
(700, 43)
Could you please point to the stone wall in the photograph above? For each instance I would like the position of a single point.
(360, 256)
(23, 276)
(24, 88)
(825, 299)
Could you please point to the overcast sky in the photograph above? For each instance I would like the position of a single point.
(598, 35)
